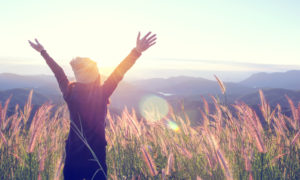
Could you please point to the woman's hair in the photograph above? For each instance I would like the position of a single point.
(85, 69)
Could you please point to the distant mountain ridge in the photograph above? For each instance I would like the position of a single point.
(175, 90)
(286, 80)
(183, 85)
(20, 96)
(43, 83)
(273, 97)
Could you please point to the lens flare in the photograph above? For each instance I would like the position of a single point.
(172, 125)
(153, 108)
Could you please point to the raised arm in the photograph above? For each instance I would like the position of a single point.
(56, 69)
(117, 75)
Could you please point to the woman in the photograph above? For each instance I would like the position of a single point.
(87, 102)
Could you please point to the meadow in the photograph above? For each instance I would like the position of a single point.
(228, 142)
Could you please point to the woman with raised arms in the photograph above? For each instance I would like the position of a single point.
(87, 102)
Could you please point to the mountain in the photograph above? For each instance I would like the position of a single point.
(46, 87)
(273, 97)
(285, 80)
(187, 86)
(175, 90)
(20, 97)
(42, 83)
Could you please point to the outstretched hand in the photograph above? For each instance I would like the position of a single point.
(146, 42)
(37, 46)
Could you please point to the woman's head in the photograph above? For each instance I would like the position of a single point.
(85, 69)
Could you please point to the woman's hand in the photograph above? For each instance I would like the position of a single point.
(144, 43)
(38, 47)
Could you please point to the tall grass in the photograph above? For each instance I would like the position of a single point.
(226, 143)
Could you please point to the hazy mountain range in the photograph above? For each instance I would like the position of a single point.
(176, 90)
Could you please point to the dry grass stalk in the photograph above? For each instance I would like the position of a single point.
(295, 112)
(265, 108)
(184, 151)
(254, 128)
(206, 106)
(149, 161)
(277, 157)
(163, 146)
(199, 178)
(58, 168)
(295, 138)
(3, 138)
(218, 115)
(170, 165)
(4, 121)
(163, 174)
(224, 164)
(205, 118)
(221, 84)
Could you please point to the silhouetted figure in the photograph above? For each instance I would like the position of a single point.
(87, 102)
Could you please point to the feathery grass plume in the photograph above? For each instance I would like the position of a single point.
(184, 151)
(183, 126)
(256, 120)
(218, 114)
(170, 165)
(215, 152)
(17, 157)
(265, 108)
(163, 146)
(37, 126)
(248, 166)
(3, 121)
(199, 178)
(226, 111)
(221, 84)
(258, 141)
(149, 161)
(277, 158)
(133, 123)
(224, 164)
(3, 138)
(206, 106)
(28, 107)
(294, 112)
(16, 125)
(254, 127)
(278, 128)
(298, 122)
(58, 168)
(111, 122)
(282, 121)
(163, 174)
(41, 165)
(205, 118)
(295, 138)
(209, 159)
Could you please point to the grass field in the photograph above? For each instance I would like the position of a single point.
(225, 144)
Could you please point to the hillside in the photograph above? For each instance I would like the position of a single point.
(187, 86)
(285, 80)
(273, 96)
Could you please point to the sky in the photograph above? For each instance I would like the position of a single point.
(193, 35)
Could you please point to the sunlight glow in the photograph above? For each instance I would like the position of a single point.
(153, 108)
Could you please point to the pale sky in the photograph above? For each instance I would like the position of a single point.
(248, 31)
